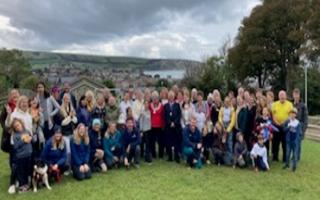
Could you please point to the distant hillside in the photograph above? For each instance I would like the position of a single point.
(43, 59)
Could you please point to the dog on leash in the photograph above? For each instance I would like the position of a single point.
(40, 175)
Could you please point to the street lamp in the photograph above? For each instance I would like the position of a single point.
(306, 84)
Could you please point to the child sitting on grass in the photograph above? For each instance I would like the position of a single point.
(259, 155)
(292, 128)
(240, 152)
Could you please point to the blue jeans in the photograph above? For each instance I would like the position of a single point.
(299, 149)
(292, 148)
(229, 147)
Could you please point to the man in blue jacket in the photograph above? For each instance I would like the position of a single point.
(192, 144)
(131, 144)
(172, 118)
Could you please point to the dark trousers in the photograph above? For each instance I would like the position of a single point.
(143, 145)
(218, 156)
(173, 140)
(279, 137)
(258, 162)
(48, 133)
(21, 170)
(117, 152)
(80, 175)
(147, 153)
(133, 155)
(207, 142)
(157, 136)
(267, 145)
(250, 139)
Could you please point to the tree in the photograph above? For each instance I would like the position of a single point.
(13, 67)
(162, 83)
(215, 73)
(270, 41)
(30, 82)
(109, 83)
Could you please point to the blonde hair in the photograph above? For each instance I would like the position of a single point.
(76, 136)
(92, 104)
(21, 98)
(64, 107)
(57, 145)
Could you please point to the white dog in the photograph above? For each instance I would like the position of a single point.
(40, 175)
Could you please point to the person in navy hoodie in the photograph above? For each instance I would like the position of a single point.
(80, 153)
(97, 162)
(293, 129)
(192, 144)
(54, 155)
(172, 118)
(131, 144)
(112, 146)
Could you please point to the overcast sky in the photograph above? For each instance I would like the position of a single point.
(189, 29)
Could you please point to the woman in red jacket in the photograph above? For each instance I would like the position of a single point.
(157, 124)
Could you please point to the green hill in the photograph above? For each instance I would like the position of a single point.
(42, 59)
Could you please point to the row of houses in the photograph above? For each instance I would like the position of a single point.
(123, 78)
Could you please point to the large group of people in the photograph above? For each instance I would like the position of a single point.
(102, 131)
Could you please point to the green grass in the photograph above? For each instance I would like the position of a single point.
(164, 180)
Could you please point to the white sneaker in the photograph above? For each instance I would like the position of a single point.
(104, 167)
(66, 173)
(12, 189)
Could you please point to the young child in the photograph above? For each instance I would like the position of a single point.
(292, 128)
(265, 127)
(21, 156)
(259, 155)
(240, 152)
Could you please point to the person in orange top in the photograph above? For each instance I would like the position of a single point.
(280, 114)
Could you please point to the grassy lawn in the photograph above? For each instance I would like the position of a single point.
(164, 180)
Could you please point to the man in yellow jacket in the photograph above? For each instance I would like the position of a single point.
(280, 114)
(227, 117)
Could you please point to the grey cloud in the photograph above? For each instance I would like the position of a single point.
(59, 23)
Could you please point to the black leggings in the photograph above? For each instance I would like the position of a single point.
(21, 170)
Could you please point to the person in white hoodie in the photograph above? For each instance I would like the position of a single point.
(21, 112)
(259, 156)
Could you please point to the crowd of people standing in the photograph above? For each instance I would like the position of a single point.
(102, 131)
